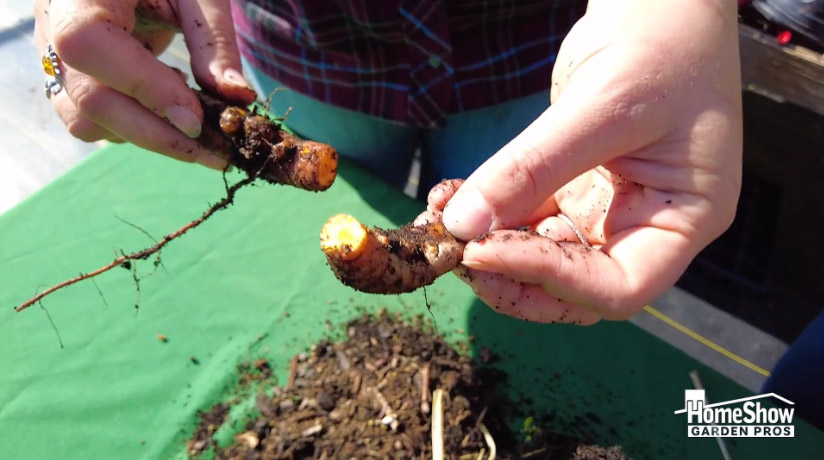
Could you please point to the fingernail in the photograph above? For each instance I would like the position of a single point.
(468, 214)
(236, 78)
(184, 120)
(211, 161)
(473, 264)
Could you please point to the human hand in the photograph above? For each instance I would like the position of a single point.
(114, 86)
(641, 149)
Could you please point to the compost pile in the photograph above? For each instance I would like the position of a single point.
(370, 397)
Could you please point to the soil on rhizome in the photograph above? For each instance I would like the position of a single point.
(369, 397)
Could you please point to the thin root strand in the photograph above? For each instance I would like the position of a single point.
(126, 259)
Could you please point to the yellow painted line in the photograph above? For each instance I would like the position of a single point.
(705, 341)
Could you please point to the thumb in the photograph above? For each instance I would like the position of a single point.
(210, 37)
(594, 120)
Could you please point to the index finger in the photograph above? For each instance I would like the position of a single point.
(95, 38)
(635, 267)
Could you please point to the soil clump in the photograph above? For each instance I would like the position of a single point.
(370, 397)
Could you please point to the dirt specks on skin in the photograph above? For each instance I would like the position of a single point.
(465, 273)
(482, 238)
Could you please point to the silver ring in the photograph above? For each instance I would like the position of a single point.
(54, 78)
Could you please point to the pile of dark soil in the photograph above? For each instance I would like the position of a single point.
(370, 397)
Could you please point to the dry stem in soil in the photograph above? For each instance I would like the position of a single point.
(369, 398)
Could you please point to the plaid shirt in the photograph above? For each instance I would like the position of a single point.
(409, 61)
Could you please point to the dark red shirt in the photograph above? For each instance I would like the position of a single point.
(408, 61)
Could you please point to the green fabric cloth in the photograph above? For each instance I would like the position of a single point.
(221, 296)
